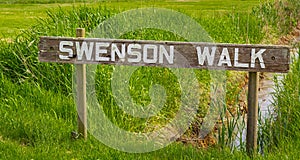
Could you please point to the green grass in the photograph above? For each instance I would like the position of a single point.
(37, 106)
(41, 130)
(280, 133)
(46, 133)
(281, 15)
(19, 60)
(16, 16)
(43, 1)
(287, 107)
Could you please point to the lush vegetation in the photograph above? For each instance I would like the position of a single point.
(281, 15)
(281, 132)
(17, 15)
(37, 105)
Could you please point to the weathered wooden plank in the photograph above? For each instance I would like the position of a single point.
(252, 115)
(254, 58)
(81, 92)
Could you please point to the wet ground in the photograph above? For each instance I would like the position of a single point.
(265, 101)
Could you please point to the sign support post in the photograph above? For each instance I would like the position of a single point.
(81, 92)
(252, 115)
(199, 55)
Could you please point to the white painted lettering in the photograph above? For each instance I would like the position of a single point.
(137, 54)
(225, 58)
(62, 48)
(206, 55)
(100, 51)
(258, 55)
(84, 49)
(145, 53)
(236, 60)
(115, 50)
(163, 52)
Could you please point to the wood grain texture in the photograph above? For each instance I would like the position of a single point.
(276, 58)
(81, 92)
(252, 115)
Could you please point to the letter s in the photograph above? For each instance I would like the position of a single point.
(68, 50)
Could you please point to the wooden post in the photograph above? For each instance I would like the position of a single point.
(251, 58)
(251, 139)
(81, 92)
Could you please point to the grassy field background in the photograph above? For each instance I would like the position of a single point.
(19, 15)
(37, 107)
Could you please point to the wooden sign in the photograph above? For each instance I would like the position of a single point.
(253, 58)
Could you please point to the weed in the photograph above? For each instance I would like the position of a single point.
(283, 127)
(37, 107)
(282, 15)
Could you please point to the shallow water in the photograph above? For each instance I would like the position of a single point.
(265, 106)
(265, 102)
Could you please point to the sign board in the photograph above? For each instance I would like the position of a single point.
(241, 57)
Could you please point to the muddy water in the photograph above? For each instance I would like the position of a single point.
(266, 91)
(265, 104)
(265, 95)
(265, 101)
